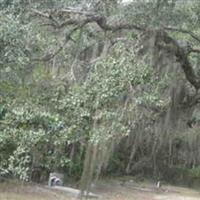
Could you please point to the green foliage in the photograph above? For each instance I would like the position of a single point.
(2, 112)
(195, 172)
(13, 35)
(7, 147)
(19, 163)
(47, 119)
(25, 141)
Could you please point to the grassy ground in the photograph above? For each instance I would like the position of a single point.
(109, 190)
(21, 191)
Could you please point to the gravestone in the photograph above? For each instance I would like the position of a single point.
(55, 179)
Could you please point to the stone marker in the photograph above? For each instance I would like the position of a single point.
(55, 179)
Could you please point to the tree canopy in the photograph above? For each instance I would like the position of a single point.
(99, 87)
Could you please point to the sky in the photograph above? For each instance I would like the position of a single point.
(126, 1)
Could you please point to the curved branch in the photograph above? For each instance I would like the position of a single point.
(88, 18)
(102, 21)
(50, 56)
(193, 35)
(181, 56)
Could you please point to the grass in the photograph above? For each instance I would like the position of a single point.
(107, 189)
(25, 191)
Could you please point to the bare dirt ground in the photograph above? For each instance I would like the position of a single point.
(107, 189)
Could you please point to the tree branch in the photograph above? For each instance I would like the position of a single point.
(89, 17)
(102, 22)
(194, 50)
(181, 57)
(50, 56)
(194, 36)
(39, 13)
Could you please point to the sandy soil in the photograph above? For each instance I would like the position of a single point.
(107, 189)
(111, 190)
